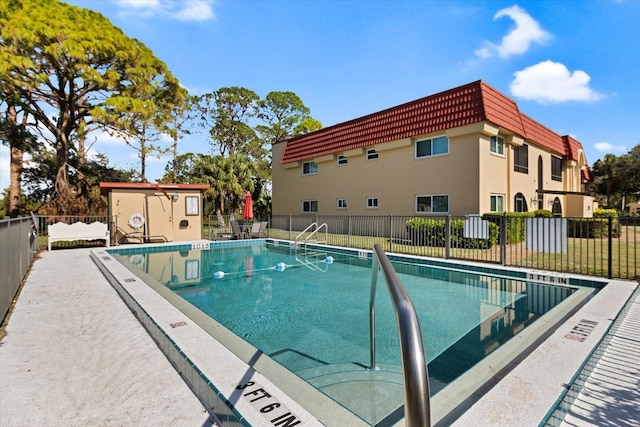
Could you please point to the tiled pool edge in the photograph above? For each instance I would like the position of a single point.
(204, 389)
(203, 386)
(563, 404)
(514, 273)
(527, 393)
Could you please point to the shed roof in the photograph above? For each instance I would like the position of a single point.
(105, 187)
(471, 103)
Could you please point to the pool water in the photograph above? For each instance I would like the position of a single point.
(310, 313)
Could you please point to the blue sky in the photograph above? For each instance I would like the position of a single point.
(571, 65)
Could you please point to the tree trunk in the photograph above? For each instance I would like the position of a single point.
(62, 166)
(15, 168)
(175, 158)
(15, 181)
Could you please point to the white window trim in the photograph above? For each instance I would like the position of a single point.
(415, 205)
(310, 203)
(504, 209)
(372, 151)
(415, 147)
(310, 173)
(346, 204)
(377, 206)
(504, 146)
(344, 159)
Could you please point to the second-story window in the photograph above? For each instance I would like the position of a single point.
(372, 154)
(342, 160)
(432, 147)
(556, 168)
(521, 159)
(309, 168)
(497, 145)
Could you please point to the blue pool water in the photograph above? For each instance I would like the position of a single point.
(312, 311)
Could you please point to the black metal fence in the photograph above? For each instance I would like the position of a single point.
(608, 247)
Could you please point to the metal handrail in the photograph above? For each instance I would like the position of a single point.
(318, 228)
(417, 407)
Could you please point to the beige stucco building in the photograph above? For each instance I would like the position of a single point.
(468, 150)
(148, 212)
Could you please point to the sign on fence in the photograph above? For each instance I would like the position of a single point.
(547, 235)
(475, 227)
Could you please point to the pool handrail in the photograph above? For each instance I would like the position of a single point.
(417, 405)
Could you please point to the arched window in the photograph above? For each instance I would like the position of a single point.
(557, 207)
(520, 203)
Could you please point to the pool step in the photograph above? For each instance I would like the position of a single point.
(371, 394)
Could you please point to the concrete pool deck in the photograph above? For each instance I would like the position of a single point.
(75, 355)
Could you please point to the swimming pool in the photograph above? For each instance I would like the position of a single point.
(311, 314)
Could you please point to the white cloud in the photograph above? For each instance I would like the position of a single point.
(550, 81)
(186, 10)
(519, 39)
(606, 147)
(196, 10)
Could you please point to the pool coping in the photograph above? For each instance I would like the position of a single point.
(198, 356)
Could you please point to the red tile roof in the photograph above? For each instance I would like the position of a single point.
(471, 103)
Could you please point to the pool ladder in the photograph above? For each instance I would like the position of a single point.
(417, 406)
(312, 258)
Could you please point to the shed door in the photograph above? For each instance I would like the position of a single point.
(159, 218)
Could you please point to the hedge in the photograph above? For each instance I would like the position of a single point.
(516, 227)
(595, 227)
(432, 232)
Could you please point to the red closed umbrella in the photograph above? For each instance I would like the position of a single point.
(248, 207)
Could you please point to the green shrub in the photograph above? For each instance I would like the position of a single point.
(596, 227)
(516, 224)
(433, 232)
(543, 213)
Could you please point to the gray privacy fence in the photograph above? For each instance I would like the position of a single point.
(18, 246)
(608, 247)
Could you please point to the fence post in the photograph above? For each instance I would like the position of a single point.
(289, 227)
(610, 248)
(503, 240)
(447, 236)
(349, 231)
(390, 233)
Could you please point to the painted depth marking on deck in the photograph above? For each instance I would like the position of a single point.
(581, 331)
(270, 408)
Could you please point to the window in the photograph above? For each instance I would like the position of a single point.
(497, 145)
(556, 208)
(372, 203)
(520, 203)
(309, 168)
(342, 160)
(342, 203)
(432, 204)
(372, 155)
(192, 269)
(556, 168)
(432, 147)
(310, 206)
(192, 205)
(497, 203)
(521, 159)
